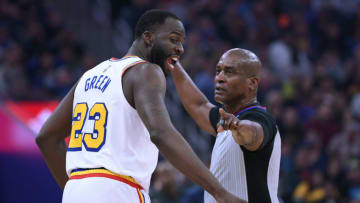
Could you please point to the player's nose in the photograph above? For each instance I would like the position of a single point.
(179, 49)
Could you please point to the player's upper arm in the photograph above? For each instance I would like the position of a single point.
(58, 125)
(149, 87)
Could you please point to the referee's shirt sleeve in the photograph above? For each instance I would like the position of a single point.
(214, 117)
(266, 122)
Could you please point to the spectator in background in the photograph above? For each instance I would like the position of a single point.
(355, 105)
(331, 193)
(346, 144)
(13, 74)
(335, 174)
(324, 123)
(286, 182)
(286, 59)
(166, 184)
(312, 190)
(291, 126)
(353, 177)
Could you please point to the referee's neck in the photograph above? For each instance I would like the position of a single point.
(237, 107)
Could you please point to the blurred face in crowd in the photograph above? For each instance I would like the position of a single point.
(237, 76)
(168, 41)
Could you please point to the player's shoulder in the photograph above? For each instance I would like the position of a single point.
(147, 66)
(147, 70)
(145, 75)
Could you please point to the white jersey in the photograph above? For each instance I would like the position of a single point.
(107, 131)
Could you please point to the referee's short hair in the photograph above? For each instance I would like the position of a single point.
(151, 19)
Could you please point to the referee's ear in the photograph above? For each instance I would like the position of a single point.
(253, 83)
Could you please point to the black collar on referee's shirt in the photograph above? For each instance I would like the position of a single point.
(248, 107)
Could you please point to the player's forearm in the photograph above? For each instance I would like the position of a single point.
(178, 152)
(54, 153)
(189, 93)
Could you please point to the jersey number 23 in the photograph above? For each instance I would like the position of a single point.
(92, 141)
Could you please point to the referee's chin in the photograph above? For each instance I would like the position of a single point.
(218, 99)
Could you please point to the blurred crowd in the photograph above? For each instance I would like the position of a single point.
(40, 59)
(310, 50)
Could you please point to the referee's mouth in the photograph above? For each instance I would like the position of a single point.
(219, 90)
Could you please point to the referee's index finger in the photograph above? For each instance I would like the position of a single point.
(224, 115)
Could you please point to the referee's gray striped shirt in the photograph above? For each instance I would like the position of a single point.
(236, 168)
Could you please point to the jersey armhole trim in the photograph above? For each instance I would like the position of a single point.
(113, 59)
(131, 65)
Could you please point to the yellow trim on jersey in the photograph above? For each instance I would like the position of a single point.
(104, 173)
(141, 196)
(130, 56)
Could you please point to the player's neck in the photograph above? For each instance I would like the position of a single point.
(235, 108)
(138, 49)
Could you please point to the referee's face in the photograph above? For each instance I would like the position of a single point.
(231, 85)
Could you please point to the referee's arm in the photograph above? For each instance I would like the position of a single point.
(247, 133)
(194, 101)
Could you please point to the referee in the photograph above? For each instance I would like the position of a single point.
(246, 154)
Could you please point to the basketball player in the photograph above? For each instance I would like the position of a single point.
(117, 122)
(246, 154)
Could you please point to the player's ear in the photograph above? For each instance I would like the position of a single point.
(148, 38)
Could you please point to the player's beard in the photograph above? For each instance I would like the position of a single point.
(158, 56)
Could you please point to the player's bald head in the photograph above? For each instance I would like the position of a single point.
(246, 60)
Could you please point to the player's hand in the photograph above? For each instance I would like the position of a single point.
(171, 63)
(230, 122)
(229, 198)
